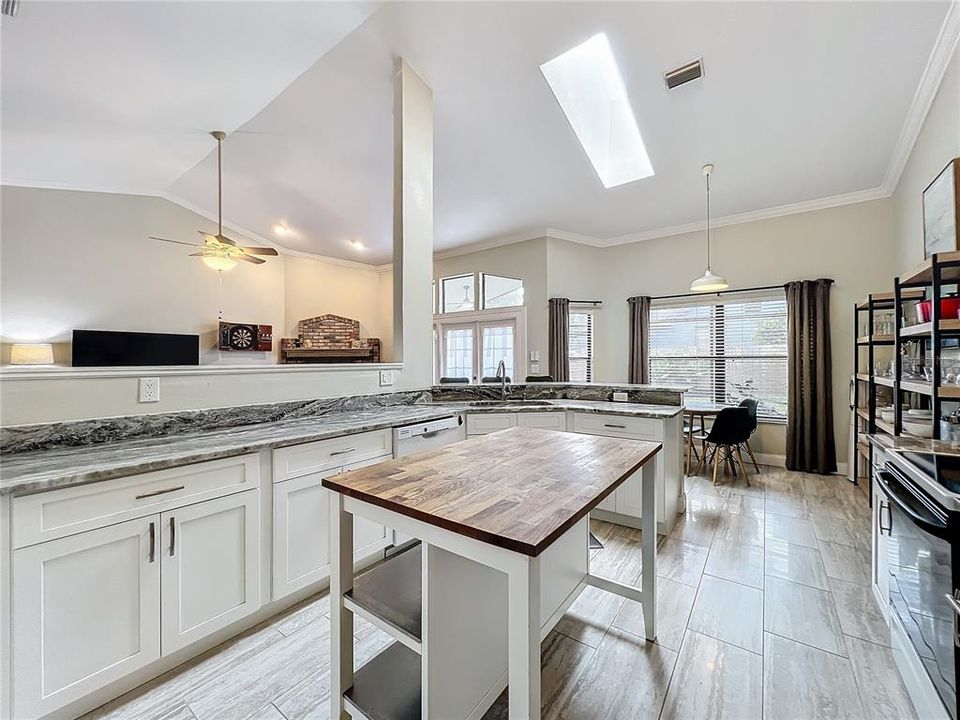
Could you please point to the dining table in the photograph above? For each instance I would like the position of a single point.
(694, 408)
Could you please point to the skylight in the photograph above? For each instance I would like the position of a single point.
(586, 82)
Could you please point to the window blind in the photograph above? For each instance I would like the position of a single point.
(725, 349)
(580, 350)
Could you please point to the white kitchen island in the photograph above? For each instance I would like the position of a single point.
(503, 521)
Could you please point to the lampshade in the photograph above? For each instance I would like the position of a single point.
(219, 262)
(31, 354)
(708, 282)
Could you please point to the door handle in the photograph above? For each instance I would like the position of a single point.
(343, 452)
(884, 505)
(955, 605)
(159, 492)
(173, 537)
(153, 541)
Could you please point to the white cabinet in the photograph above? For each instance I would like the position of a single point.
(301, 531)
(86, 612)
(879, 559)
(210, 565)
(483, 423)
(555, 420)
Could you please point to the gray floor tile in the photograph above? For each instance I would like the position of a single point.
(802, 613)
(730, 612)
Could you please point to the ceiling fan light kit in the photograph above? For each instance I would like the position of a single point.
(708, 282)
(218, 251)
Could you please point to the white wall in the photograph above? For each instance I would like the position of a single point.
(937, 143)
(75, 291)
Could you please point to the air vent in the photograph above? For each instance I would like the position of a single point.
(684, 74)
(10, 7)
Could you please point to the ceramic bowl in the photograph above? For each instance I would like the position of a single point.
(918, 429)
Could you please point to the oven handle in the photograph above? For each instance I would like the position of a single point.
(897, 494)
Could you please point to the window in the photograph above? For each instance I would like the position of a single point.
(725, 350)
(456, 294)
(580, 350)
(478, 346)
(498, 291)
(587, 83)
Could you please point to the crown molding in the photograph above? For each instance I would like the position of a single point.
(491, 243)
(43, 185)
(877, 193)
(930, 81)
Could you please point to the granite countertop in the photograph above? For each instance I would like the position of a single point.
(39, 470)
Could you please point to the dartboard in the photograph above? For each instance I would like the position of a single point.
(241, 338)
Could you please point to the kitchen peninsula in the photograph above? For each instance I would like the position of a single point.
(503, 521)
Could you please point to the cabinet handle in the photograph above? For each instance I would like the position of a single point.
(173, 537)
(343, 452)
(884, 505)
(956, 612)
(159, 492)
(153, 541)
(611, 425)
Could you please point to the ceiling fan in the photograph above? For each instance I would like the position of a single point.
(218, 251)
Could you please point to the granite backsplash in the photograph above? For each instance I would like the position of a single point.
(646, 394)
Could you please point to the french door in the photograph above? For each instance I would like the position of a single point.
(473, 350)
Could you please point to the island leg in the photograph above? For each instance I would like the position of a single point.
(341, 619)
(648, 584)
(524, 642)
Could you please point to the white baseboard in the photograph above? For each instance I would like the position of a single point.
(781, 461)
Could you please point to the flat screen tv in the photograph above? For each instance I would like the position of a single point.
(108, 348)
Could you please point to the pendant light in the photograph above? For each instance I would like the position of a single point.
(708, 282)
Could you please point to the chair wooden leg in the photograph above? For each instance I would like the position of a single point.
(716, 462)
(703, 460)
(686, 469)
(752, 458)
(742, 468)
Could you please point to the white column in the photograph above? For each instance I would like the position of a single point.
(524, 641)
(648, 585)
(341, 619)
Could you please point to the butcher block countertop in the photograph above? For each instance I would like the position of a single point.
(518, 489)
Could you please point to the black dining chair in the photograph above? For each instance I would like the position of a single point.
(539, 378)
(493, 379)
(730, 430)
(454, 381)
(751, 405)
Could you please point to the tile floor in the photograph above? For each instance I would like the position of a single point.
(764, 612)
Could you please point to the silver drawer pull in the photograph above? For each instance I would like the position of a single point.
(173, 537)
(611, 425)
(159, 492)
(954, 603)
(343, 452)
(153, 542)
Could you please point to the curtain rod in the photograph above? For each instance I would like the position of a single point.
(718, 292)
(586, 302)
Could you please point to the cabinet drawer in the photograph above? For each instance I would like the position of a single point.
(545, 420)
(618, 426)
(490, 422)
(58, 513)
(299, 460)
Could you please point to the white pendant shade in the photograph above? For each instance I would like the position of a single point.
(709, 282)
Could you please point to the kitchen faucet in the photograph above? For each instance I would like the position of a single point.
(502, 374)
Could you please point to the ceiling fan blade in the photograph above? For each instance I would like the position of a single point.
(250, 259)
(178, 242)
(208, 239)
(202, 253)
(225, 240)
(260, 251)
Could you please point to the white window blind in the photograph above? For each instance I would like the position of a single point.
(580, 350)
(725, 349)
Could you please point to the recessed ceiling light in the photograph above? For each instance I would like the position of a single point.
(587, 83)
(280, 229)
(357, 245)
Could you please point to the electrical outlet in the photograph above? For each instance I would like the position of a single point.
(386, 378)
(149, 389)
(534, 368)
(620, 397)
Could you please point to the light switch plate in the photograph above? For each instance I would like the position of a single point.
(534, 356)
(386, 378)
(620, 397)
(149, 389)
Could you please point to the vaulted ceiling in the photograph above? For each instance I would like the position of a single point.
(799, 102)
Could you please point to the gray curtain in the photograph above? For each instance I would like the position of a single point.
(810, 443)
(639, 370)
(559, 339)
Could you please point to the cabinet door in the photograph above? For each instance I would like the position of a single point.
(555, 420)
(301, 533)
(483, 423)
(368, 536)
(86, 611)
(629, 494)
(879, 559)
(210, 564)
